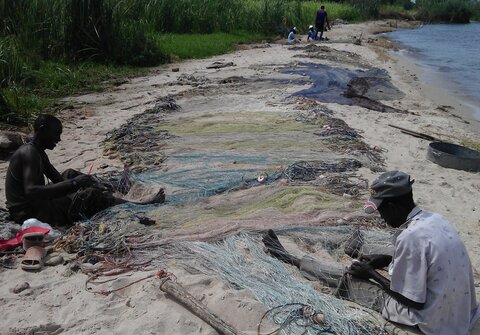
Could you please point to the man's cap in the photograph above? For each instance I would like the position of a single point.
(310, 26)
(390, 184)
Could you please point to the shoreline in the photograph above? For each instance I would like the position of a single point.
(246, 110)
(413, 74)
(438, 95)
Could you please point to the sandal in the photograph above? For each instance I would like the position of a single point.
(33, 259)
(33, 239)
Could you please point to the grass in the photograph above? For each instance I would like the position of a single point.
(396, 11)
(306, 14)
(42, 84)
(191, 46)
(449, 11)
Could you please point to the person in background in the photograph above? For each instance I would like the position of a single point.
(311, 33)
(320, 21)
(292, 36)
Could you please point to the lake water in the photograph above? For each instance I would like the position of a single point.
(449, 54)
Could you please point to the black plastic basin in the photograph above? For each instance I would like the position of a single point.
(454, 156)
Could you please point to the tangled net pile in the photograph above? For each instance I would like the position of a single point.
(307, 171)
(336, 134)
(190, 185)
(141, 146)
(241, 261)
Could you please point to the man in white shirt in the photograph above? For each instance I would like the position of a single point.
(431, 284)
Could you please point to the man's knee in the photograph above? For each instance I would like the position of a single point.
(90, 201)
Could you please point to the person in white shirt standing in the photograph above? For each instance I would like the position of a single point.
(432, 285)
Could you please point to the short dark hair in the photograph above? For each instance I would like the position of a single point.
(45, 120)
(322, 7)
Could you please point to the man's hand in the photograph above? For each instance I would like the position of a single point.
(361, 270)
(376, 261)
(83, 180)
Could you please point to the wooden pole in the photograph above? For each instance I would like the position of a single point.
(197, 308)
(415, 134)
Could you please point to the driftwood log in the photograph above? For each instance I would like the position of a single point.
(196, 307)
(415, 134)
(219, 65)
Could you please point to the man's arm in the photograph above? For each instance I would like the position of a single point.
(32, 167)
(365, 271)
(52, 173)
(385, 284)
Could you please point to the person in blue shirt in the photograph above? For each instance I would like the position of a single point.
(320, 21)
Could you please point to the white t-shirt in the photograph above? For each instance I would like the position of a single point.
(431, 266)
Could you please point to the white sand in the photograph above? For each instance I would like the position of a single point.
(56, 304)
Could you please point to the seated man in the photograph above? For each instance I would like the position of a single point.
(311, 33)
(431, 286)
(292, 36)
(68, 198)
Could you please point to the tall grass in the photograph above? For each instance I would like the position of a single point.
(451, 11)
(476, 11)
(396, 11)
(190, 46)
(335, 11)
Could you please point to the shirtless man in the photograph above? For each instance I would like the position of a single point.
(69, 197)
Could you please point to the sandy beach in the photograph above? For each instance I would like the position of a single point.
(211, 127)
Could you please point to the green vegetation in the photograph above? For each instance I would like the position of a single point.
(451, 11)
(397, 11)
(188, 46)
(52, 48)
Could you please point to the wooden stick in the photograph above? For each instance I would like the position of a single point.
(197, 308)
(415, 134)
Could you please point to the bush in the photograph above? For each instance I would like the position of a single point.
(5, 110)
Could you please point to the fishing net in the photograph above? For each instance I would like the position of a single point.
(333, 55)
(226, 171)
(310, 170)
(140, 146)
(241, 261)
(105, 252)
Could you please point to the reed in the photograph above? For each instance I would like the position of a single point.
(396, 11)
(190, 46)
(449, 11)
